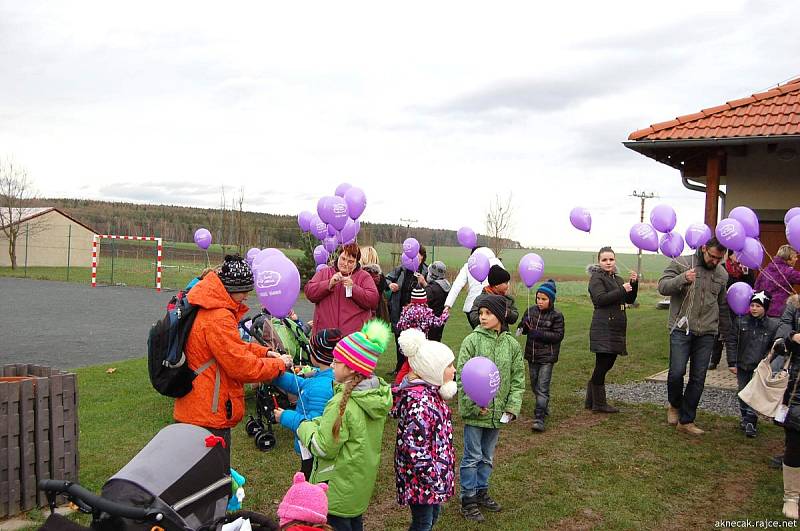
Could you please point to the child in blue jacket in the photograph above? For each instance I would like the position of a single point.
(313, 391)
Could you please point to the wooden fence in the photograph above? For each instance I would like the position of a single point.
(38, 433)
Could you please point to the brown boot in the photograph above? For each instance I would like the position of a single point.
(599, 404)
(587, 403)
(791, 491)
(673, 415)
(689, 428)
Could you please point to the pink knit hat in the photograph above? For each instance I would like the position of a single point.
(304, 502)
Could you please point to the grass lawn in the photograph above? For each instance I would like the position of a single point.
(587, 471)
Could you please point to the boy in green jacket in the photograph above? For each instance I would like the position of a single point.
(346, 440)
(482, 425)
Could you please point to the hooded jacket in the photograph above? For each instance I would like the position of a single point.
(504, 350)
(215, 336)
(609, 323)
(332, 309)
(424, 458)
(777, 279)
(474, 288)
(702, 302)
(545, 331)
(750, 340)
(350, 463)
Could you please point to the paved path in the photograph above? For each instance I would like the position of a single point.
(68, 325)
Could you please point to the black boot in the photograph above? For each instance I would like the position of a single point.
(488, 503)
(587, 404)
(599, 404)
(538, 420)
(470, 509)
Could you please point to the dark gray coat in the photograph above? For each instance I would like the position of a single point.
(545, 331)
(609, 322)
(789, 326)
(750, 340)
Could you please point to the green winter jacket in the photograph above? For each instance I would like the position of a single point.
(504, 350)
(350, 463)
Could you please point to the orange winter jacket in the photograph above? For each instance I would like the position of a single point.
(215, 334)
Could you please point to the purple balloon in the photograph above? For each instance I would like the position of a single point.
(793, 232)
(321, 255)
(412, 264)
(329, 243)
(356, 202)
(331, 230)
(342, 189)
(467, 238)
(697, 235)
(790, 214)
(304, 220)
(671, 244)
(644, 236)
(411, 247)
(320, 267)
(752, 254)
(318, 228)
(325, 208)
(263, 255)
(202, 238)
(480, 380)
(251, 255)
(581, 219)
(531, 268)
(478, 266)
(663, 218)
(748, 219)
(349, 231)
(277, 284)
(730, 233)
(338, 213)
(739, 295)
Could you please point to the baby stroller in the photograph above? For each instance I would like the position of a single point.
(276, 334)
(177, 482)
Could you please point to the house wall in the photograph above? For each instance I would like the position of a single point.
(52, 238)
(763, 182)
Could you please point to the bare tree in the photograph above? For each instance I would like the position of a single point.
(16, 192)
(499, 220)
(239, 220)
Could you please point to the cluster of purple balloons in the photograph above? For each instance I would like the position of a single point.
(410, 257)
(336, 221)
(481, 380)
(663, 219)
(739, 232)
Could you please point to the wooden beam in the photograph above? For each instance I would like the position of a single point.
(713, 167)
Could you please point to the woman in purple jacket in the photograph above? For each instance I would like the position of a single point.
(777, 279)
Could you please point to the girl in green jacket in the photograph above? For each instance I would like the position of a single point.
(482, 425)
(346, 440)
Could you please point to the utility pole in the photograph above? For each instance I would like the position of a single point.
(643, 196)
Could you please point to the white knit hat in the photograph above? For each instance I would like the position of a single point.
(428, 359)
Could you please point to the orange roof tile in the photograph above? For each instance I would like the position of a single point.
(773, 112)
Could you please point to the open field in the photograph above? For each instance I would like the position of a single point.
(587, 471)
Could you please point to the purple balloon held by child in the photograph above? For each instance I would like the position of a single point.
(478, 266)
(481, 380)
(738, 296)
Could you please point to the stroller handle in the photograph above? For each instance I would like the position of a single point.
(73, 490)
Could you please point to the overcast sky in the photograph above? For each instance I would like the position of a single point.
(431, 107)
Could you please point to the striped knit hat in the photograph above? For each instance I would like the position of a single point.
(360, 350)
(323, 343)
(419, 296)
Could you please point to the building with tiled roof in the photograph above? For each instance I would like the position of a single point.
(750, 145)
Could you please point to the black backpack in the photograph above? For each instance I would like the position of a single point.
(166, 362)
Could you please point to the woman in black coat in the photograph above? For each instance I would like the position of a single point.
(609, 293)
(789, 332)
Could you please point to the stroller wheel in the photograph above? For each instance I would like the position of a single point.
(265, 441)
(252, 427)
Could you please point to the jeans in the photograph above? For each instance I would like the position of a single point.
(424, 517)
(340, 523)
(695, 350)
(476, 465)
(748, 413)
(541, 373)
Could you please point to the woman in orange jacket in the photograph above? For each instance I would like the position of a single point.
(215, 351)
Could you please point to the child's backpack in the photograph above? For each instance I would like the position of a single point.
(166, 362)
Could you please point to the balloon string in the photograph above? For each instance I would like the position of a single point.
(208, 260)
